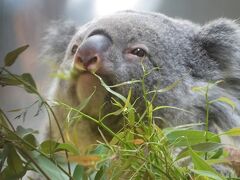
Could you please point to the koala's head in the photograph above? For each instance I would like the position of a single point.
(117, 48)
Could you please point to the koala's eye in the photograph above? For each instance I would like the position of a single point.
(74, 49)
(139, 52)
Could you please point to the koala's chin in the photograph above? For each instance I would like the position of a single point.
(88, 87)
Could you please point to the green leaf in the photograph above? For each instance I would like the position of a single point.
(14, 80)
(30, 138)
(3, 155)
(30, 81)
(199, 89)
(49, 146)
(200, 164)
(100, 174)
(217, 154)
(131, 117)
(21, 131)
(217, 161)
(100, 150)
(115, 140)
(50, 168)
(183, 153)
(225, 100)
(205, 88)
(126, 83)
(190, 137)
(85, 102)
(130, 109)
(167, 88)
(171, 107)
(206, 174)
(68, 147)
(232, 132)
(150, 111)
(64, 75)
(78, 172)
(202, 147)
(8, 80)
(15, 163)
(110, 90)
(207, 146)
(3, 121)
(12, 56)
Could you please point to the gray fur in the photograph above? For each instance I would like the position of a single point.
(56, 40)
(195, 54)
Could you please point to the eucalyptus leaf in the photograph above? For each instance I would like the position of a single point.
(68, 147)
(110, 90)
(85, 102)
(100, 150)
(190, 137)
(30, 138)
(225, 100)
(200, 164)
(8, 80)
(49, 146)
(30, 82)
(3, 156)
(15, 163)
(206, 174)
(21, 131)
(207, 146)
(100, 174)
(232, 132)
(3, 121)
(15, 80)
(78, 172)
(11, 57)
(50, 168)
(167, 88)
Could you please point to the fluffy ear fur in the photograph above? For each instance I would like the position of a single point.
(56, 40)
(220, 39)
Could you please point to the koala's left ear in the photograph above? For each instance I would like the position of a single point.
(56, 40)
(221, 41)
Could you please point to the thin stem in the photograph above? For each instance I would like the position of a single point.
(207, 118)
(60, 131)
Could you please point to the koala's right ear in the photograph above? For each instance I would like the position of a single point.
(56, 40)
(221, 41)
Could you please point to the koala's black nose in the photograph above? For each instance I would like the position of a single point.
(89, 55)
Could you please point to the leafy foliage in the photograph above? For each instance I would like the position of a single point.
(140, 150)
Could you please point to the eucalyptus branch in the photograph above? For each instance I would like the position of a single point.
(207, 117)
(24, 142)
(34, 90)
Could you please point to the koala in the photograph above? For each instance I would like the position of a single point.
(116, 47)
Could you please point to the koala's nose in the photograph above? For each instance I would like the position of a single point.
(89, 55)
